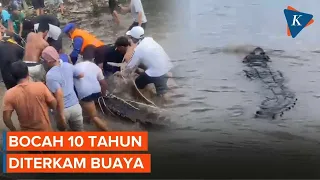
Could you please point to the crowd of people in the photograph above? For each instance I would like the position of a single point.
(41, 79)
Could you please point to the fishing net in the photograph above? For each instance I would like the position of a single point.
(278, 97)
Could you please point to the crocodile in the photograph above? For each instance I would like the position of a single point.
(127, 102)
(278, 97)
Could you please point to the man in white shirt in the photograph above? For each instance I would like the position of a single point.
(149, 53)
(89, 89)
(137, 12)
(52, 34)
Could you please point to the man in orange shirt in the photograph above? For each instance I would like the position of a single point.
(84, 43)
(30, 100)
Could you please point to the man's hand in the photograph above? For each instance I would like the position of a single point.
(61, 123)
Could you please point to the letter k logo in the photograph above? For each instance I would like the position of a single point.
(296, 21)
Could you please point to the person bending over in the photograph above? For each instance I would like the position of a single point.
(111, 53)
(30, 100)
(59, 80)
(149, 53)
(83, 41)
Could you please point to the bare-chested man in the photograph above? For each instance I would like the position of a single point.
(33, 49)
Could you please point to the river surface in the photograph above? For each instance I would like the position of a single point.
(215, 134)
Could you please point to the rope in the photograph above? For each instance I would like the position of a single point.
(135, 86)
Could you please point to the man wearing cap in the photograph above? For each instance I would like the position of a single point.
(59, 80)
(148, 52)
(84, 43)
(137, 12)
(15, 23)
(5, 16)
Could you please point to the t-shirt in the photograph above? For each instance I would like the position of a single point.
(89, 84)
(30, 100)
(107, 53)
(64, 57)
(153, 56)
(5, 16)
(54, 31)
(17, 19)
(136, 7)
(47, 18)
(9, 53)
(62, 77)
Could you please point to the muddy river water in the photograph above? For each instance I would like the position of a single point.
(214, 132)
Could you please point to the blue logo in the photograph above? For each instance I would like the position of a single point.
(296, 21)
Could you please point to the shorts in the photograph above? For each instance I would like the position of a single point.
(134, 24)
(37, 4)
(74, 117)
(112, 5)
(92, 97)
(89, 52)
(36, 70)
(159, 82)
(57, 44)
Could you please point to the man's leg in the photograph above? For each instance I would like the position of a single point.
(61, 6)
(144, 25)
(41, 3)
(116, 17)
(143, 80)
(36, 6)
(133, 25)
(160, 84)
(76, 118)
(89, 108)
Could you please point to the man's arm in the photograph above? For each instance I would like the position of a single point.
(56, 89)
(130, 52)
(102, 81)
(139, 9)
(50, 100)
(140, 18)
(69, 59)
(77, 45)
(8, 121)
(21, 28)
(62, 124)
(22, 17)
(76, 73)
(10, 25)
(124, 10)
(135, 59)
(7, 111)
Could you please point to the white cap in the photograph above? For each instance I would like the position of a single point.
(0, 4)
(136, 32)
